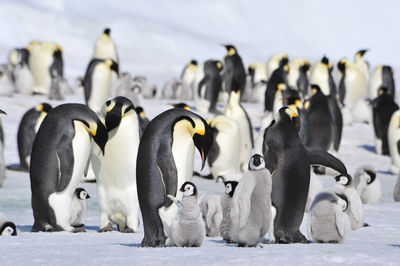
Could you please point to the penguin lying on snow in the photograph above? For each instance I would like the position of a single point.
(225, 228)
(7, 228)
(251, 205)
(188, 228)
(367, 184)
(212, 214)
(327, 220)
(78, 207)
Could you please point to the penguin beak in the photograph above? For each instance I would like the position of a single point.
(2, 112)
(203, 143)
(87, 196)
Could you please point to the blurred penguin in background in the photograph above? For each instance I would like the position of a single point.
(7, 228)
(22, 76)
(394, 142)
(298, 76)
(367, 184)
(382, 77)
(361, 64)
(6, 85)
(234, 75)
(396, 191)
(188, 76)
(255, 82)
(105, 47)
(274, 62)
(211, 209)
(2, 159)
(277, 77)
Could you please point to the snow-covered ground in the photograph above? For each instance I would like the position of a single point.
(157, 38)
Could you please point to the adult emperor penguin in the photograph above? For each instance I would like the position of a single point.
(236, 112)
(274, 62)
(45, 61)
(7, 228)
(27, 129)
(328, 221)
(115, 169)
(143, 120)
(298, 75)
(321, 75)
(164, 162)
(367, 184)
(98, 82)
(361, 64)
(251, 204)
(105, 47)
(211, 209)
(2, 158)
(279, 76)
(209, 87)
(256, 87)
(382, 76)
(226, 224)
(189, 73)
(188, 228)
(383, 108)
(234, 76)
(78, 206)
(394, 142)
(60, 156)
(289, 162)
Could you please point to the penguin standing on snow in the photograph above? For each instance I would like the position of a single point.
(28, 127)
(164, 162)
(98, 82)
(274, 62)
(361, 64)
(328, 221)
(60, 157)
(7, 228)
(234, 75)
(382, 76)
(105, 47)
(143, 120)
(115, 169)
(189, 73)
(278, 76)
(367, 184)
(188, 228)
(226, 224)
(78, 207)
(2, 159)
(298, 76)
(209, 87)
(22, 77)
(251, 204)
(212, 214)
(383, 108)
(394, 142)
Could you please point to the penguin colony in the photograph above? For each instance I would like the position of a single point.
(145, 166)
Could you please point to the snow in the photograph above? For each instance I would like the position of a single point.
(156, 38)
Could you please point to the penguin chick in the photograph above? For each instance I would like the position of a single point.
(328, 221)
(225, 227)
(188, 228)
(7, 228)
(251, 204)
(78, 206)
(367, 184)
(212, 214)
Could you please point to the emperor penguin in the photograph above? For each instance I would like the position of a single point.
(60, 157)
(289, 162)
(143, 120)
(274, 62)
(211, 209)
(382, 76)
(209, 87)
(298, 76)
(45, 62)
(396, 191)
(98, 82)
(78, 206)
(367, 184)
(2, 158)
(223, 157)
(383, 108)
(105, 48)
(278, 76)
(234, 76)
(6, 83)
(188, 228)
(226, 224)
(258, 76)
(189, 73)
(394, 142)
(344, 182)
(164, 162)
(18, 59)
(115, 169)
(251, 204)
(361, 64)
(27, 129)
(7, 227)
(328, 221)
(321, 75)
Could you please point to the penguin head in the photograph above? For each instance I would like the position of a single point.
(344, 179)
(315, 89)
(230, 187)
(115, 110)
(361, 53)
(188, 189)
(284, 60)
(43, 107)
(181, 105)
(8, 229)
(369, 176)
(256, 162)
(107, 31)
(193, 62)
(219, 65)
(342, 201)
(112, 65)
(81, 193)
(326, 62)
(383, 90)
(342, 65)
(98, 132)
(305, 67)
(231, 50)
(140, 111)
(288, 115)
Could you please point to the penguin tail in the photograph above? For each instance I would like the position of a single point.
(17, 167)
(209, 176)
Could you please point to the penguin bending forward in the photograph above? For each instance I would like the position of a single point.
(60, 157)
(164, 162)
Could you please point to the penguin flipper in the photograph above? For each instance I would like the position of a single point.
(337, 119)
(175, 200)
(339, 224)
(242, 197)
(326, 159)
(201, 84)
(168, 172)
(87, 165)
(65, 157)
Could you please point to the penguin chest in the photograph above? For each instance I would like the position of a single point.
(101, 88)
(39, 120)
(39, 64)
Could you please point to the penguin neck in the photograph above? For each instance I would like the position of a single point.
(233, 102)
(190, 209)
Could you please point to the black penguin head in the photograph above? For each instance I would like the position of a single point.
(230, 187)
(315, 89)
(231, 50)
(342, 66)
(344, 179)
(193, 62)
(219, 65)
(107, 31)
(140, 111)
(342, 201)
(256, 162)
(286, 114)
(383, 90)
(43, 107)
(2, 112)
(361, 53)
(203, 141)
(305, 67)
(8, 229)
(284, 60)
(116, 109)
(369, 175)
(100, 135)
(325, 60)
(188, 189)
(81, 193)
(181, 105)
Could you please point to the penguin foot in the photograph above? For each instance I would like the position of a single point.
(107, 228)
(127, 230)
(78, 230)
(152, 244)
(241, 245)
(17, 167)
(78, 225)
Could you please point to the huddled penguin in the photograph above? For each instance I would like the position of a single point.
(223, 157)
(234, 76)
(396, 191)
(394, 142)
(45, 63)
(164, 162)
(115, 169)
(274, 62)
(209, 87)
(289, 162)
(98, 82)
(7, 228)
(188, 228)
(189, 73)
(2, 158)
(367, 184)
(27, 129)
(355, 211)
(105, 47)
(143, 120)
(211, 209)
(226, 224)
(60, 157)
(78, 207)
(278, 76)
(383, 108)
(361, 64)
(251, 204)
(328, 221)
(236, 112)
(382, 76)
(298, 76)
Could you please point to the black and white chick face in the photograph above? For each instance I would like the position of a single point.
(230, 187)
(369, 176)
(256, 162)
(342, 202)
(188, 189)
(8, 229)
(344, 180)
(82, 194)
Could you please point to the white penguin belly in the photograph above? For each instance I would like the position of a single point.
(101, 88)
(356, 87)
(393, 138)
(39, 64)
(60, 202)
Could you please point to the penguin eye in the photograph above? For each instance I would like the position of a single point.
(108, 103)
